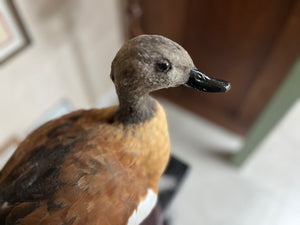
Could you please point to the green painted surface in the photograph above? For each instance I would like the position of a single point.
(280, 103)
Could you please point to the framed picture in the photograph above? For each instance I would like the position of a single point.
(13, 37)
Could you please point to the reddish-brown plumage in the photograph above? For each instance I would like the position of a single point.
(104, 175)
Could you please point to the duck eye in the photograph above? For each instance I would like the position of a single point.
(163, 66)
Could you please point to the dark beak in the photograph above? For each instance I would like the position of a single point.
(202, 82)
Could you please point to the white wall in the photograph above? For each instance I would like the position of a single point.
(73, 43)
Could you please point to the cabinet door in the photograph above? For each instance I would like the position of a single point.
(251, 43)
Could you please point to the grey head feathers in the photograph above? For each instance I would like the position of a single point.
(144, 64)
(135, 67)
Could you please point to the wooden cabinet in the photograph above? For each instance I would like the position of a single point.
(251, 43)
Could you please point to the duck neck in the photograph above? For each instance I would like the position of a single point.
(135, 110)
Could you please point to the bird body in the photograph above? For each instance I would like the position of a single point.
(102, 166)
(86, 163)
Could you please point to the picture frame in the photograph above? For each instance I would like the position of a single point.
(13, 36)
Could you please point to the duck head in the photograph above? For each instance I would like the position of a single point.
(148, 63)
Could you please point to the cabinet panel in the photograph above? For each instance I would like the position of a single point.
(234, 40)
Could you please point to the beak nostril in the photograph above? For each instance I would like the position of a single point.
(198, 78)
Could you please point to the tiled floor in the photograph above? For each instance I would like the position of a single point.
(265, 191)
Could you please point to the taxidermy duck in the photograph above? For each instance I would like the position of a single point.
(102, 166)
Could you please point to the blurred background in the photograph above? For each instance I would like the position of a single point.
(55, 57)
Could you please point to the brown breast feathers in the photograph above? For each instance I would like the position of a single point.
(84, 168)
